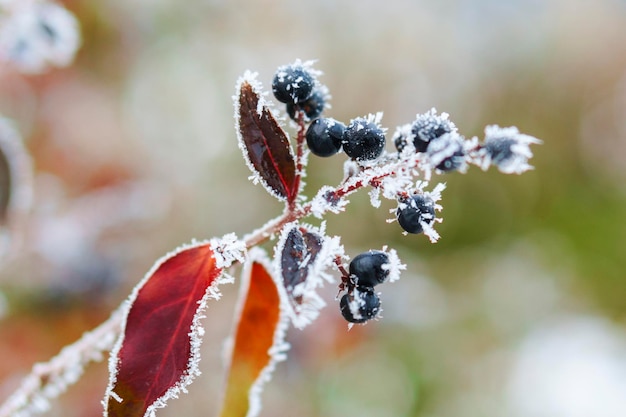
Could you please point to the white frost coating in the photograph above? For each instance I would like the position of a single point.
(195, 331)
(375, 197)
(448, 145)
(36, 35)
(375, 119)
(321, 204)
(430, 121)
(435, 195)
(394, 266)
(251, 79)
(281, 73)
(506, 148)
(307, 311)
(21, 183)
(50, 379)
(227, 250)
(279, 348)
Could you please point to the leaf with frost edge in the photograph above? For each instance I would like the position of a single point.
(196, 330)
(251, 79)
(278, 351)
(20, 167)
(307, 311)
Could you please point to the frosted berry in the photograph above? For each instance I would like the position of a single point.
(293, 84)
(400, 140)
(446, 153)
(312, 107)
(428, 127)
(414, 212)
(363, 140)
(360, 306)
(324, 136)
(500, 150)
(370, 268)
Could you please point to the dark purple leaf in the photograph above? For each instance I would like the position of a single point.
(265, 144)
(299, 252)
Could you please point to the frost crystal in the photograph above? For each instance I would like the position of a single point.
(394, 266)
(446, 153)
(35, 35)
(429, 126)
(326, 201)
(506, 148)
(227, 250)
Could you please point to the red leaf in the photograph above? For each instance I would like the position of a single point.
(264, 143)
(258, 340)
(157, 355)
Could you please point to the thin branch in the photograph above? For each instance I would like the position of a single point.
(48, 380)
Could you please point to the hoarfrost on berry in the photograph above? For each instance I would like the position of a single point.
(506, 148)
(447, 153)
(429, 126)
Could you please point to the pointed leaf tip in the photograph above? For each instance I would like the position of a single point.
(264, 143)
(156, 356)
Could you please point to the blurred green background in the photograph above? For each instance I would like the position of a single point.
(519, 310)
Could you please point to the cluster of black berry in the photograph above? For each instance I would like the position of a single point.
(297, 86)
(367, 270)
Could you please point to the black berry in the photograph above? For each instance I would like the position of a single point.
(428, 127)
(414, 211)
(500, 149)
(446, 152)
(324, 136)
(400, 140)
(293, 84)
(312, 107)
(370, 268)
(359, 306)
(363, 140)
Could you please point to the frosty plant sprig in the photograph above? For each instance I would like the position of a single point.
(155, 336)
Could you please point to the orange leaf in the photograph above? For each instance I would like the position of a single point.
(258, 342)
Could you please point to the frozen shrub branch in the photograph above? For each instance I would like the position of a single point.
(151, 363)
(48, 380)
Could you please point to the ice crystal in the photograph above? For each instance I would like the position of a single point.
(446, 153)
(394, 266)
(327, 201)
(429, 126)
(506, 148)
(227, 250)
